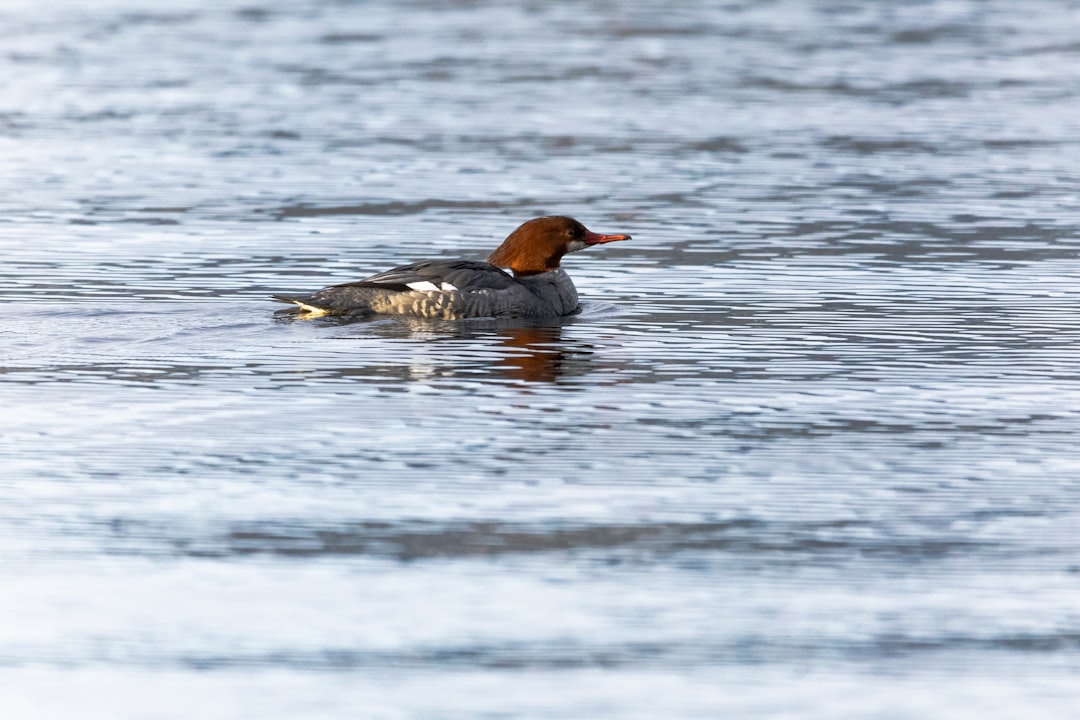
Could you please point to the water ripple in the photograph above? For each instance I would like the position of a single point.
(814, 428)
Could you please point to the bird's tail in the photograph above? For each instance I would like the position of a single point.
(309, 310)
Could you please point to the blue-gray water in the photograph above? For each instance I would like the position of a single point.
(810, 450)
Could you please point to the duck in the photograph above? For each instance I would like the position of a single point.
(521, 279)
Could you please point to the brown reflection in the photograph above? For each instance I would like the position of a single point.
(535, 354)
(511, 350)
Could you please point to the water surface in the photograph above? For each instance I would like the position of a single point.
(809, 450)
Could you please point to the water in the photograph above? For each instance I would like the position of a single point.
(808, 451)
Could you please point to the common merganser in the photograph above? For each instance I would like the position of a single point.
(453, 289)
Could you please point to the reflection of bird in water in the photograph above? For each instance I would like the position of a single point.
(511, 350)
(536, 354)
(516, 350)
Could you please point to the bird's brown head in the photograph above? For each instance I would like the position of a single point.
(539, 244)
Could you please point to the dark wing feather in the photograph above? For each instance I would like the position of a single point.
(465, 275)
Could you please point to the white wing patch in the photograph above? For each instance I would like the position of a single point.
(426, 286)
(422, 286)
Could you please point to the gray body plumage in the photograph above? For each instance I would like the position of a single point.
(447, 289)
